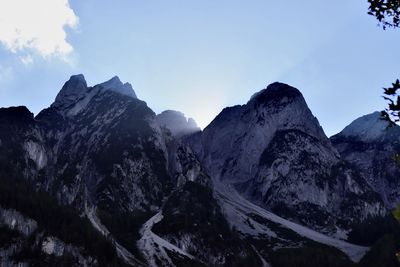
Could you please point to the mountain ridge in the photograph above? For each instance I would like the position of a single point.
(262, 178)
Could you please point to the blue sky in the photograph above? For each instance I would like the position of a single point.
(200, 56)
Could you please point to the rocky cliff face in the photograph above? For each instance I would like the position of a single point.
(103, 146)
(142, 189)
(177, 123)
(371, 146)
(107, 148)
(275, 153)
(104, 152)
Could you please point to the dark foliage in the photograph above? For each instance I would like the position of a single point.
(194, 210)
(180, 261)
(383, 253)
(392, 95)
(60, 221)
(34, 256)
(7, 236)
(309, 257)
(125, 227)
(396, 213)
(387, 12)
(375, 227)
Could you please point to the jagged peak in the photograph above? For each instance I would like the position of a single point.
(114, 81)
(75, 80)
(367, 128)
(177, 122)
(75, 86)
(115, 85)
(75, 89)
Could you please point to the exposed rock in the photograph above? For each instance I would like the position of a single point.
(274, 151)
(261, 177)
(177, 123)
(18, 222)
(370, 145)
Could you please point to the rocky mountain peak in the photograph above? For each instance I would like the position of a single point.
(281, 106)
(115, 84)
(275, 92)
(234, 142)
(75, 95)
(370, 145)
(260, 180)
(370, 127)
(71, 91)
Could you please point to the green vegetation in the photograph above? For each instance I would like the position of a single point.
(375, 227)
(7, 236)
(34, 256)
(383, 253)
(62, 222)
(125, 227)
(309, 257)
(396, 213)
(193, 210)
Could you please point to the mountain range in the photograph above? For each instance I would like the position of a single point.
(99, 179)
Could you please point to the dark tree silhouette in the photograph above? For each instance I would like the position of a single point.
(396, 214)
(392, 95)
(386, 11)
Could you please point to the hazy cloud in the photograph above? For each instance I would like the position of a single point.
(6, 74)
(26, 60)
(36, 26)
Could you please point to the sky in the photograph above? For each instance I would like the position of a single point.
(200, 56)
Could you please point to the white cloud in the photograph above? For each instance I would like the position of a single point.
(26, 60)
(36, 26)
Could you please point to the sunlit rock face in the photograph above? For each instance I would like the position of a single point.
(98, 145)
(370, 145)
(105, 147)
(177, 123)
(71, 92)
(75, 95)
(274, 152)
(115, 85)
